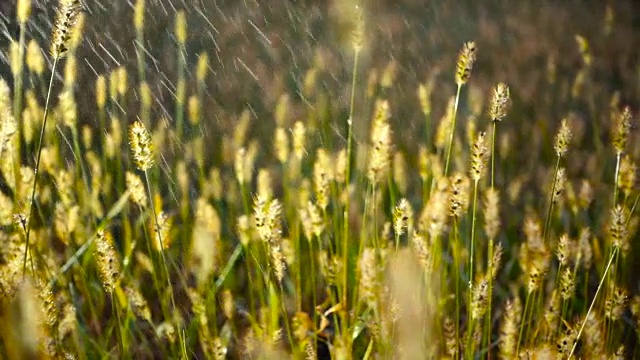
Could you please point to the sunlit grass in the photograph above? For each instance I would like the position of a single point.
(319, 220)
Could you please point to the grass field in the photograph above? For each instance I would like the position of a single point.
(350, 179)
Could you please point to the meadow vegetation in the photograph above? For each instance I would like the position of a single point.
(479, 204)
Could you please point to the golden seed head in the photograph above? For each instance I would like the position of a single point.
(243, 226)
(560, 184)
(402, 217)
(66, 19)
(563, 138)
(136, 189)
(23, 11)
(299, 135)
(277, 261)
(567, 284)
(267, 219)
(616, 303)
(138, 16)
(627, 178)
(34, 59)
(341, 166)
(322, 177)
(381, 144)
(564, 249)
(282, 109)
(495, 261)
(422, 249)
(68, 108)
(166, 331)
(141, 146)
(450, 338)
(536, 271)
(113, 83)
(316, 220)
(584, 251)
(585, 52)
(107, 260)
(622, 123)
(369, 279)
(180, 29)
(618, 232)
(264, 186)
(161, 230)
(15, 58)
(358, 28)
(145, 95)
(434, 215)
(480, 296)
(479, 156)
(389, 75)
(400, 172)
(499, 103)
(205, 248)
(101, 92)
(70, 71)
(281, 145)
(122, 85)
(203, 67)
(424, 96)
(492, 213)
(458, 195)
(240, 165)
(309, 82)
(509, 328)
(193, 107)
(138, 303)
(444, 126)
(564, 344)
(181, 92)
(228, 305)
(466, 59)
(75, 37)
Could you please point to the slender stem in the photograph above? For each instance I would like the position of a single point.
(456, 272)
(470, 343)
(615, 186)
(490, 271)
(453, 130)
(551, 201)
(615, 250)
(35, 177)
(347, 203)
(493, 151)
(473, 233)
(161, 249)
(312, 276)
(524, 319)
(119, 330)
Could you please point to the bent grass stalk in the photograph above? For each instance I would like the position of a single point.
(595, 297)
(464, 66)
(358, 38)
(547, 221)
(66, 17)
(35, 178)
(452, 131)
(142, 151)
